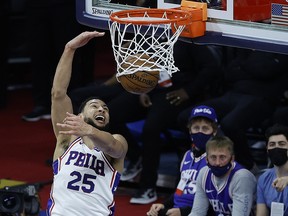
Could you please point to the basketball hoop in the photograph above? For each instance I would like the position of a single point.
(149, 35)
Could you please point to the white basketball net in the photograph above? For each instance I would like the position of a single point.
(153, 40)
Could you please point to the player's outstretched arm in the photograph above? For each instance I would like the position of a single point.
(61, 103)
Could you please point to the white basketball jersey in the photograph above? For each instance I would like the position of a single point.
(84, 183)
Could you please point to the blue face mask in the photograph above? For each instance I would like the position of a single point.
(200, 140)
(220, 171)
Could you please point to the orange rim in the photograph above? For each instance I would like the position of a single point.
(173, 16)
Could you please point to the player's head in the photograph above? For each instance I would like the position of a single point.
(95, 112)
(202, 125)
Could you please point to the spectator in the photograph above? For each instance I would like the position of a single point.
(254, 82)
(202, 126)
(272, 191)
(51, 24)
(87, 160)
(224, 183)
(199, 67)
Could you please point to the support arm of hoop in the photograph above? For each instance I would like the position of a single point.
(195, 5)
(198, 12)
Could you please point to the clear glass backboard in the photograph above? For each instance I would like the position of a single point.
(254, 24)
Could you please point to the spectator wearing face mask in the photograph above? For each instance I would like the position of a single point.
(202, 125)
(224, 184)
(272, 191)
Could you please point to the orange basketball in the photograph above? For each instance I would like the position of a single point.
(141, 81)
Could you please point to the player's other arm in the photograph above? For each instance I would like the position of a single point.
(113, 145)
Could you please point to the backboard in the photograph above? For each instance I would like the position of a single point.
(252, 24)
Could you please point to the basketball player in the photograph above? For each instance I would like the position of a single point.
(224, 183)
(202, 126)
(87, 160)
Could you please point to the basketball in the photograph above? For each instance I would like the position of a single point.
(139, 82)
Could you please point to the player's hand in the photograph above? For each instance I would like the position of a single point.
(155, 208)
(177, 97)
(82, 39)
(74, 125)
(174, 212)
(280, 183)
